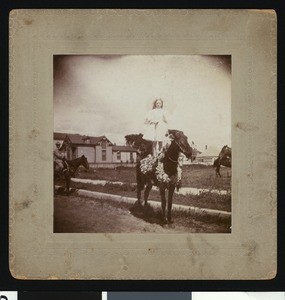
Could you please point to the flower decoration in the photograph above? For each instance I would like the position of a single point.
(147, 164)
(155, 163)
(160, 174)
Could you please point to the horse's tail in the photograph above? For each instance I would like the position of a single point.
(215, 163)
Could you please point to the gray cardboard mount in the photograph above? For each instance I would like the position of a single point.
(249, 252)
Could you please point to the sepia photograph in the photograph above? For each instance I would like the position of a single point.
(142, 143)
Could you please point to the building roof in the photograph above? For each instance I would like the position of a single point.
(123, 149)
(59, 135)
(79, 139)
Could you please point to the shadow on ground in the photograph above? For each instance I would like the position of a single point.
(60, 191)
(147, 213)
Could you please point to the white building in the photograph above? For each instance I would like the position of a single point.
(208, 156)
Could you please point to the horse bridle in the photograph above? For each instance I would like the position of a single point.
(175, 161)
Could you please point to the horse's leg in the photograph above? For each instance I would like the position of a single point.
(146, 192)
(218, 171)
(140, 183)
(55, 192)
(139, 195)
(55, 176)
(67, 183)
(169, 204)
(163, 203)
(140, 187)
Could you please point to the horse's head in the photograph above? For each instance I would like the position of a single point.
(142, 146)
(181, 141)
(226, 151)
(134, 140)
(84, 162)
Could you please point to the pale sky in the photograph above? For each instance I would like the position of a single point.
(111, 95)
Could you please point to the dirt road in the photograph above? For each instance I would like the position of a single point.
(75, 214)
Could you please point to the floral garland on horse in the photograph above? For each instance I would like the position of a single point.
(155, 163)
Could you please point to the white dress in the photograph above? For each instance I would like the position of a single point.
(155, 125)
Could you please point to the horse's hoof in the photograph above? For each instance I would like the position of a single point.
(164, 220)
(169, 219)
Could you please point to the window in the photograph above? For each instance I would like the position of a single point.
(118, 155)
(132, 157)
(104, 155)
(103, 145)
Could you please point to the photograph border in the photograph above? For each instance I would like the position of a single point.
(123, 255)
(7, 281)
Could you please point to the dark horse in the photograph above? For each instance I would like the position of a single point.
(73, 165)
(224, 159)
(169, 162)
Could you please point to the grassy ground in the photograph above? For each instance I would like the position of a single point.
(203, 200)
(201, 176)
(198, 176)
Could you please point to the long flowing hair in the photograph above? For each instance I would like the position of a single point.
(154, 103)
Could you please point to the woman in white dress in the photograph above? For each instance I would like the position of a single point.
(156, 125)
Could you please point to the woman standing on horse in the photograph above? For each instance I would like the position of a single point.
(156, 126)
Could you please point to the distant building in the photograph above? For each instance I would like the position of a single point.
(100, 151)
(207, 156)
(123, 154)
(195, 152)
